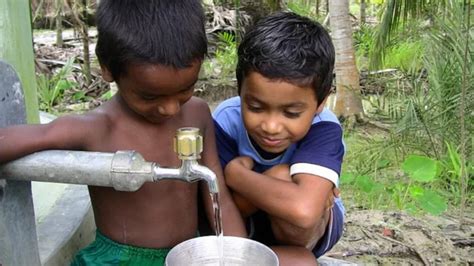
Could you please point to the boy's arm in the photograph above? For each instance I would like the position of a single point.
(300, 203)
(280, 171)
(245, 206)
(62, 133)
(231, 218)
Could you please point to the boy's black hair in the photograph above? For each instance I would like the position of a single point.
(286, 46)
(165, 32)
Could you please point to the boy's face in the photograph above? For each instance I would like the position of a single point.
(276, 113)
(156, 92)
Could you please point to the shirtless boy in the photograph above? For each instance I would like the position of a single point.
(153, 50)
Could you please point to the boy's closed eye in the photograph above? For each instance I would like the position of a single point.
(292, 114)
(255, 108)
(288, 113)
(149, 97)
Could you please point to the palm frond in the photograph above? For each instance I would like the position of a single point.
(396, 13)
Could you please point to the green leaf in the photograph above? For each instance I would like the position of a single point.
(455, 160)
(416, 191)
(347, 178)
(420, 168)
(79, 96)
(432, 202)
(107, 96)
(365, 183)
(59, 89)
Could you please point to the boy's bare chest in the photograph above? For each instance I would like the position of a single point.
(154, 143)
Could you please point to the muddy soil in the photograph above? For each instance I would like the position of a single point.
(371, 237)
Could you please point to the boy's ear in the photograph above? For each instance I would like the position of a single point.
(106, 74)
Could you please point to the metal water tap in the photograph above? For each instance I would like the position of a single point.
(188, 144)
(123, 170)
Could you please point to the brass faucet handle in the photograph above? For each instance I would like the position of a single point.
(188, 143)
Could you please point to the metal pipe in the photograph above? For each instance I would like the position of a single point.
(123, 170)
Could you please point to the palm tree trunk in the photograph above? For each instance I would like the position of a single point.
(348, 101)
(59, 23)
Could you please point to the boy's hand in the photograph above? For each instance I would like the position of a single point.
(244, 161)
(331, 198)
(232, 169)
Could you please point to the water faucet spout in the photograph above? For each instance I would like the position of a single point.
(188, 145)
(194, 171)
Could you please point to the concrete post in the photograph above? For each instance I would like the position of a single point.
(18, 242)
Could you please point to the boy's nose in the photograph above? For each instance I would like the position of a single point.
(271, 126)
(169, 108)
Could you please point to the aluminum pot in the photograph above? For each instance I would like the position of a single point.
(236, 251)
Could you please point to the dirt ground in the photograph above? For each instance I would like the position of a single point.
(371, 237)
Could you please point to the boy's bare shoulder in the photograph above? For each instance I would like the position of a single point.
(197, 112)
(97, 118)
(196, 102)
(78, 131)
(197, 106)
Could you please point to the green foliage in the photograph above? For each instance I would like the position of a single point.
(413, 191)
(406, 56)
(444, 62)
(363, 45)
(346, 178)
(427, 106)
(51, 89)
(302, 8)
(398, 13)
(420, 168)
(107, 96)
(226, 54)
(80, 96)
(404, 53)
(431, 202)
(225, 60)
(452, 173)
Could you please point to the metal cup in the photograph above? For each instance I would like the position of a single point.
(236, 251)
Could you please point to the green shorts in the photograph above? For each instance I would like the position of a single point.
(105, 251)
